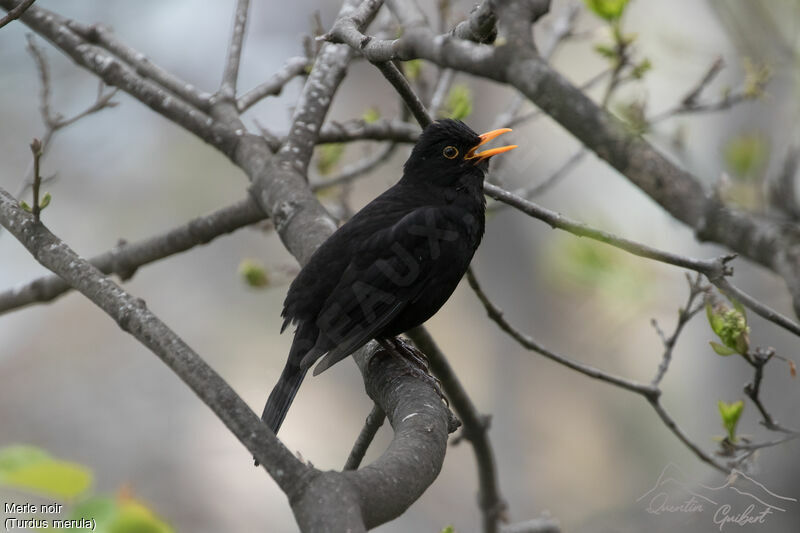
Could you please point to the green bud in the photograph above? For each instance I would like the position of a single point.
(253, 273)
(45, 200)
(730, 414)
(609, 10)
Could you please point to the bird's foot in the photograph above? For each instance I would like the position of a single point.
(415, 360)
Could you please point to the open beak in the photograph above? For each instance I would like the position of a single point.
(485, 138)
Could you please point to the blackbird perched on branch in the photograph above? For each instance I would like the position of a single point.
(394, 264)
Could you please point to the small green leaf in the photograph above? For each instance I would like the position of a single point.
(722, 350)
(730, 414)
(45, 200)
(24, 205)
(29, 468)
(459, 103)
(714, 318)
(371, 115)
(449, 529)
(253, 273)
(609, 10)
(413, 69)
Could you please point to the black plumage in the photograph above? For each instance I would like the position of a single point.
(394, 263)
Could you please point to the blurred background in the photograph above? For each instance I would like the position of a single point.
(583, 451)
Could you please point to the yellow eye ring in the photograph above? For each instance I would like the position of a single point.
(450, 152)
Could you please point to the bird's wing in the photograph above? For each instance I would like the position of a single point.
(389, 270)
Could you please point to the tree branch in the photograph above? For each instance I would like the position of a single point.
(475, 429)
(650, 392)
(774, 245)
(272, 87)
(133, 317)
(15, 13)
(227, 89)
(371, 426)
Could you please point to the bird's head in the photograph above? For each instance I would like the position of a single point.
(448, 151)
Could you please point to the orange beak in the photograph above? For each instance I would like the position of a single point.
(485, 138)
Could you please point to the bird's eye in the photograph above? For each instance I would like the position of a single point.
(450, 152)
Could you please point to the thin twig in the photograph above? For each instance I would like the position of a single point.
(536, 189)
(496, 314)
(650, 392)
(685, 314)
(359, 168)
(371, 426)
(440, 93)
(380, 130)
(36, 149)
(54, 122)
(758, 359)
(272, 87)
(401, 85)
(715, 270)
(14, 14)
(227, 88)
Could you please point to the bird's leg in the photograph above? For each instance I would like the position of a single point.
(414, 359)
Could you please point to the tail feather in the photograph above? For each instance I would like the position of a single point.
(282, 395)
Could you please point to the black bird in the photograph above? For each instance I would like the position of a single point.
(394, 263)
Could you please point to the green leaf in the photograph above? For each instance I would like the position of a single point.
(328, 155)
(45, 201)
(459, 103)
(730, 414)
(371, 115)
(413, 69)
(722, 350)
(449, 529)
(609, 10)
(32, 469)
(253, 273)
(714, 318)
(24, 205)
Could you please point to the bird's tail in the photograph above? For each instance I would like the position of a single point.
(282, 395)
